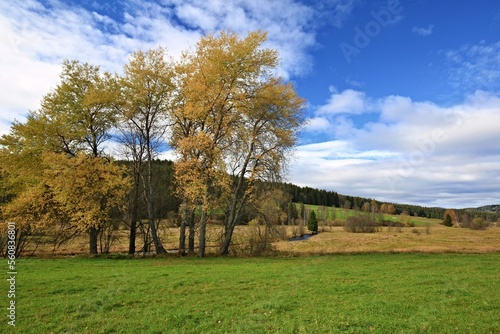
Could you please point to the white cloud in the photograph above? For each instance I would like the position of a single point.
(37, 36)
(475, 67)
(288, 23)
(346, 102)
(317, 124)
(416, 152)
(423, 31)
(336, 11)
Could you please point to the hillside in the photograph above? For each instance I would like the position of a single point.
(490, 208)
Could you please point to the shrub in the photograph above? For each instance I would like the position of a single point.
(298, 230)
(478, 224)
(360, 224)
(390, 223)
(257, 239)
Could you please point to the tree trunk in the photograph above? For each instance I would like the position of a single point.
(132, 237)
(151, 214)
(228, 234)
(182, 235)
(237, 203)
(203, 230)
(134, 215)
(93, 237)
(191, 233)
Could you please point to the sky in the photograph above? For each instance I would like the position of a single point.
(403, 97)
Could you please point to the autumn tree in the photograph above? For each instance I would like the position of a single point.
(270, 116)
(74, 118)
(235, 116)
(453, 216)
(133, 147)
(90, 190)
(374, 206)
(147, 92)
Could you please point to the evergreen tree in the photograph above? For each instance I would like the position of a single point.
(447, 220)
(312, 222)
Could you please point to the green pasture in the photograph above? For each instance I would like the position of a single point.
(332, 213)
(373, 293)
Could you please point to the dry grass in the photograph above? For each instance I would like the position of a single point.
(440, 239)
(330, 240)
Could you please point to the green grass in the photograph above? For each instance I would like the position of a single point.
(342, 214)
(373, 293)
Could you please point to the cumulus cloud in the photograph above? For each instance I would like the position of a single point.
(348, 101)
(416, 151)
(317, 124)
(38, 35)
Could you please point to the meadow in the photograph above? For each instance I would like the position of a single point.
(426, 235)
(363, 293)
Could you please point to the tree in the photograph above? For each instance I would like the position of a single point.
(266, 132)
(453, 216)
(90, 190)
(147, 94)
(75, 118)
(447, 220)
(232, 114)
(292, 213)
(312, 222)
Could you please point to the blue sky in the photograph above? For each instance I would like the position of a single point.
(403, 96)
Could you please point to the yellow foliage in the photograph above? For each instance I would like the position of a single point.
(88, 189)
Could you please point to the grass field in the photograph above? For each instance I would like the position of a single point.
(369, 293)
(433, 238)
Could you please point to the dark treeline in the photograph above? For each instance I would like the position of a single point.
(313, 196)
(167, 203)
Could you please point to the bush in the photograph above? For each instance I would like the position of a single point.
(257, 239)
(478, 224)
(361, 224)
(391, 223)
(298, 230)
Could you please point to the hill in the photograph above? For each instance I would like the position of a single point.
(490, 208)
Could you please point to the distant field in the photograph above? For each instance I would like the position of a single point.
(342, 214)
(370, 293)
(430, 237)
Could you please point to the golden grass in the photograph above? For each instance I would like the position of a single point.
(407, 239)
(330, 240)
